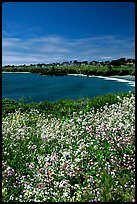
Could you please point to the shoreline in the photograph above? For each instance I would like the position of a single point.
(16, 72)
(129, 77)
(124, 77)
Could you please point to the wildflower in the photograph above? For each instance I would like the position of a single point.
(31, 166)
(27, 194)
(4, 191)
(70, 164)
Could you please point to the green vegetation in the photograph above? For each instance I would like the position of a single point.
(86, 70)
(69, 151)
(61, 107)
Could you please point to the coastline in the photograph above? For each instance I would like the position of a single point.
(126, 77)
(16, 72)
(113, 77)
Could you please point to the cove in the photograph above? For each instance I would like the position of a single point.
(36, 88)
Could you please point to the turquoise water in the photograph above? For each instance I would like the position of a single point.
(38, 88)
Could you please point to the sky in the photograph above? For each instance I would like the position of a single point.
(48, 32)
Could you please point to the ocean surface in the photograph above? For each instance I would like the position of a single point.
(34, 87)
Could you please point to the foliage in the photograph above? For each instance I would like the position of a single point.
(61, 107)
(90, 70)
(87, 157)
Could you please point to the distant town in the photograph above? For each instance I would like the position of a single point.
(119, 62)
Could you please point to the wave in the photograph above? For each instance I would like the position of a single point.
(131, 83)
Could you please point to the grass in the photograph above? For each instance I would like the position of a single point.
(69, 151)
(61, 107)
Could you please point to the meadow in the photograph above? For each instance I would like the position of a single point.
(69, 151)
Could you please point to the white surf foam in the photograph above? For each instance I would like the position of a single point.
(131, 83)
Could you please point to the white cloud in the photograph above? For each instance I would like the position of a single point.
(10, 42)
(106, 58)
(5, 33)
(57, 49)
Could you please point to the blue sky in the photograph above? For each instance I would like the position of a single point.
(47, 32)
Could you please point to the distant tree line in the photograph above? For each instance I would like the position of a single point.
(117, 62)
(122, 61)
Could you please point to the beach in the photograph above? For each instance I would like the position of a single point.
(126, 77)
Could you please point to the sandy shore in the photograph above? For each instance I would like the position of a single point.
(127, 77)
